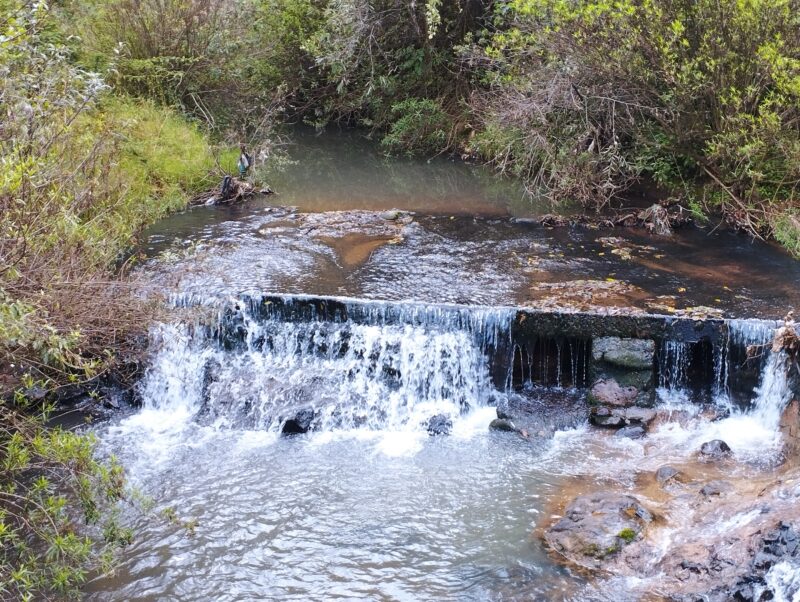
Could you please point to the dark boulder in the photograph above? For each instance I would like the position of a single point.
(715, 450)
(439, 425)
(502, 424)
(596, 526)
(302, 422)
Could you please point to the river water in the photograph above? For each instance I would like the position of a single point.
(369, 505)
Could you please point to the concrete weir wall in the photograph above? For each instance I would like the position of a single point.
(551, 348)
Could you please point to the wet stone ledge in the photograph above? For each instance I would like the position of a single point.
(547, 348)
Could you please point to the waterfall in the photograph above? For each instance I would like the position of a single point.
(773, 392)
(370, 366)
(752, 427)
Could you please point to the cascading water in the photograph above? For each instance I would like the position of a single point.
(750, 429)
(383, 368)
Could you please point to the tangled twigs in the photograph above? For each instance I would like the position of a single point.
(786, 337)
(231, 190)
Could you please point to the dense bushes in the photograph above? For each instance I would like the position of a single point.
(580, 98)
(703, 97)
(195, 55)
(81, 172)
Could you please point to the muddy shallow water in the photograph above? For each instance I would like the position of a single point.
(370, 506)
(467, 239)
(471, 260)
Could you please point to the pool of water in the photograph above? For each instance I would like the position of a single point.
(370, 506)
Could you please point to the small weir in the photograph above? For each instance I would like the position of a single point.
(334, 363)
(367, 504)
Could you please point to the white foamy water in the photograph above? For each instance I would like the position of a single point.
(380, 379)
(783, 581)
(310, 514)
(752, 432)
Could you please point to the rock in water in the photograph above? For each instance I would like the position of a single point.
(608, 392)
(504, 411)
(607, 418)
(300, 423)
(391, 215)
(619, 417)
(439, 425)
(596, 526)
(631, 432)
(503, 424)
(639, 416)
(715, 450)
(667, 474)
(715, 488)
(780, 546)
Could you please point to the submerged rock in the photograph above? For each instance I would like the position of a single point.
(504, 411)
(503, 424)
(634, 354)
(609, 392)
(596, 526)
(620, 417)
(640, 416)
(607, 418)
(631, 432)
(715, 450)
(391, 215)
(667, 474)
(780, 546)
(439, 425)
(715, 488)
(302, 422)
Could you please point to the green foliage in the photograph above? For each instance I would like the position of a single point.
(372, 63)
(627, 535)
(787, 230)
(50, 483)
(419, 125)
(193, 55)
(82, 173)
(699, 94)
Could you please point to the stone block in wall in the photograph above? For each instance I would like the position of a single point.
(633, 354)
(790, 428)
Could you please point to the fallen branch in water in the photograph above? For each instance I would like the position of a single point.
(231, 190)
(786, 337)
(657, 219)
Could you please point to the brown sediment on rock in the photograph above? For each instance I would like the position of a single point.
(356, 249)
(720, 527)
(588, 295)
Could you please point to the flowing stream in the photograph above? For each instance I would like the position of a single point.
(368, 505)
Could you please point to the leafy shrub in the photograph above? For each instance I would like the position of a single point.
(81, 172)
(701, 93)
(419, 125)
